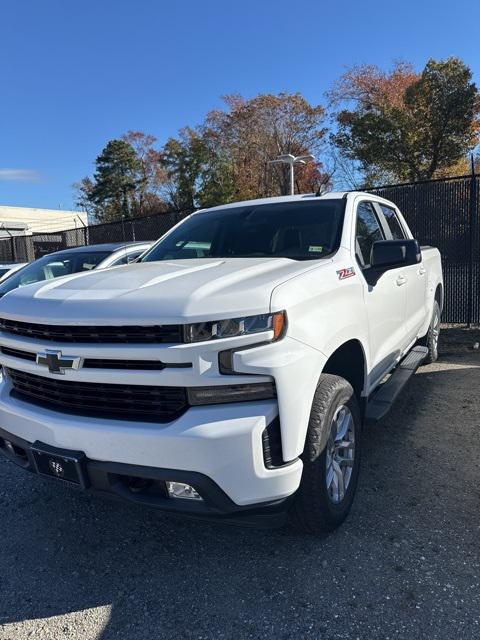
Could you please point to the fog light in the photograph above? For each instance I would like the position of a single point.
(182, 490)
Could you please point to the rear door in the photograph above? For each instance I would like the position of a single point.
(385, 301)
(416, 285)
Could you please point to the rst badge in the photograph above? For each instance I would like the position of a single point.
(345, 273)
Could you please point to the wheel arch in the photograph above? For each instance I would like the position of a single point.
(439, 295)
(348, 361)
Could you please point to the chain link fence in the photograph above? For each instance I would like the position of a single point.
(445, 214)
(29, 247)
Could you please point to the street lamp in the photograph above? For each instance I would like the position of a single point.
(291, 160)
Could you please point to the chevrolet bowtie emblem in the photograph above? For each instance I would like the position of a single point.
(57, 363)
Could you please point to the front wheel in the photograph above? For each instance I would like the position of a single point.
(331, 458)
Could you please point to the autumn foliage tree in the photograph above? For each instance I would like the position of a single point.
(150, 176)
(404, 126)
(388, 127)
(227, 157)
(257, 130)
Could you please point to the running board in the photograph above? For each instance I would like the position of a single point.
(383, 399)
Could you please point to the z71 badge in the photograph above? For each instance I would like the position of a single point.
(345, 273)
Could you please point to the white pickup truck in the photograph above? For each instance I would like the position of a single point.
(229, 373)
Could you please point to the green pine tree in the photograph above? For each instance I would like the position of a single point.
(115, 180)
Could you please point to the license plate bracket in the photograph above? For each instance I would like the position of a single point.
(67, 466)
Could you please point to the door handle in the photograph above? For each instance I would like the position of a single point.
(422, 271)
(401, 280)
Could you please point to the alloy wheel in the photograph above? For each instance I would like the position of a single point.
(340, 454)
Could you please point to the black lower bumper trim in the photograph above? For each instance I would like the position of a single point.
(146, 486)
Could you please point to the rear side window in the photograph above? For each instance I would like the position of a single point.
(367, 232)
(393, 222)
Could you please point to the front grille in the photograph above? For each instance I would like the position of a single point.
(143, 365)
(159, 334)
(120, 401)
(106, 363)
(17, 353)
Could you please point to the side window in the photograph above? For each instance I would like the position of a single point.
(133, 255)
(122, 260)
(125, 258)
(367, 232)
(393, 222)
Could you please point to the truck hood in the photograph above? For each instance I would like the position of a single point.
(155, 292)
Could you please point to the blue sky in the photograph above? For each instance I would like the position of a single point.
(76, 74)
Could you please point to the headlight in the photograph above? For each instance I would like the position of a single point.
(234, 327)
(231, 393)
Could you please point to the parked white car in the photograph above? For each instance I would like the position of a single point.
(7, 269)
(73, 260)
(228, 374)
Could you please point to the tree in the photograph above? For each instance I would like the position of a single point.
(83, 195)
(150, 175)
(405, 126)
(183, 160)
(128, 180)
(252, 132)
(114, 181)
(226, 158)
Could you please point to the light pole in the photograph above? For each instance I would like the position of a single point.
(291, 160)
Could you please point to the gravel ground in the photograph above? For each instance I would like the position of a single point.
(404, 565)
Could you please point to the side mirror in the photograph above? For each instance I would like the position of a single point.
(390, 254)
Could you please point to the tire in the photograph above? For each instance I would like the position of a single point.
(431, 339)
(318, 505)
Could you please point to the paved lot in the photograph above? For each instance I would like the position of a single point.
(405, 564)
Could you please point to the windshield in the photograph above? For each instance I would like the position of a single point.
(53, 266)
(306, 230)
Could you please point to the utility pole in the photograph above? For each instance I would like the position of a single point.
(291, 160)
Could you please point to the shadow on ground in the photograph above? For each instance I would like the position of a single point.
(404, 565)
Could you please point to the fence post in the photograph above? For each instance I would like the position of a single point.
(14, 252)
(473, 235)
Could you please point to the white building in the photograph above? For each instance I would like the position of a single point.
(27, 221)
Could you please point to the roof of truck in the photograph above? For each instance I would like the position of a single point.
(276, 200)
(332, 195)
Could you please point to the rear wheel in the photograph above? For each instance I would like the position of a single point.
(331, 458)
(431, 339)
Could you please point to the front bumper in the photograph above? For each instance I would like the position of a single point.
(146, 486)
(220, 443)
